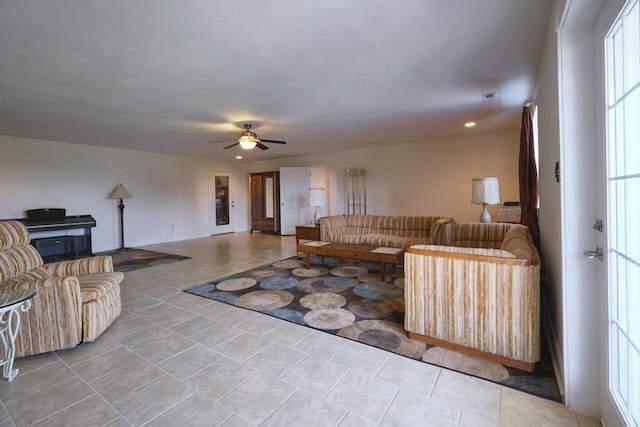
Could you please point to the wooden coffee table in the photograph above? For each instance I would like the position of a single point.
(381, 254)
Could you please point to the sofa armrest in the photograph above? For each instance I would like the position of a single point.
(496, 256)
(488, 303)
(81, 267)
(54, 320)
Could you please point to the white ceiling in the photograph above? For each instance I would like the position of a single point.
(169, 76)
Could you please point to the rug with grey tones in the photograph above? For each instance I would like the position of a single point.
(349, 299)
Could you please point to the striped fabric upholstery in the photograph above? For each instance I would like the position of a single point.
(476, 235)
(485, 297)
(75, 300)
(381, 230)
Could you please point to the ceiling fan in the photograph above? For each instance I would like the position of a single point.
(249, 140)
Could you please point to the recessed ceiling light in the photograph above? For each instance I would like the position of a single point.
(238, 157)
(371, 144)
(469, 124)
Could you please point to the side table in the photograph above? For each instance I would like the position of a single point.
(11, 302)
(307, 232)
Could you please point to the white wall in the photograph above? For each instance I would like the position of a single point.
(167, 189)
(549, 153)
(423, 178)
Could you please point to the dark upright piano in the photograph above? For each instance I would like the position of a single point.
(49, 228)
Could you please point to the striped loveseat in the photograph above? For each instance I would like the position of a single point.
(75, 301)
(382, 230)
(478, 294)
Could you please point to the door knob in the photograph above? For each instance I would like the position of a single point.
(598, 253)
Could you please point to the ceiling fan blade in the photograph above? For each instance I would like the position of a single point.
(272, 141)
(232, 145)
(262, 146)
(224, 140)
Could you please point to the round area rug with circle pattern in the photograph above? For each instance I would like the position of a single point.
(350, 299)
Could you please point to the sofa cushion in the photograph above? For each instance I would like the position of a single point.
(467, 251)
(95, 286)
(392, 241)
(18, 260)
(517, 240)
(13, 233)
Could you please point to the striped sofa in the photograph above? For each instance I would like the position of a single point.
(479, 294)
(382, 230)
(75, 301)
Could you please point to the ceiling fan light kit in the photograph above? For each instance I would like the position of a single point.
(249, 140)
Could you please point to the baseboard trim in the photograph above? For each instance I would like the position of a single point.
(551, 338)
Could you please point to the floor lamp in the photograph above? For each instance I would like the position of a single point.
(121, 193)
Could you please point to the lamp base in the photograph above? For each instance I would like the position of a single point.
(316, 215)
(485, 217)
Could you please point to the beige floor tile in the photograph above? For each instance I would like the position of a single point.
(37, 361)
(194, 411)
(527, 410)
(92, 411)
(469, 419)
(321, 344)
(105, 363)
(220, 378)
(140, 304)
(366, 396)
(32, 382)
(306, 410)
(242, 347)
(236, 421)
(190, 361)
(362, 358)
(84, 351)
(275, 360)
(235, 315)
(130, 377)
(258, 397)
(165, 348)
(121, 327)
(216, 334)
(354, 420)
(260, 324)
(411, 375)
(146, 402)
(585, 421)
(315, 375)
(408, 409)
(192, 326)
(47, 402)
(462, 391)
(288, 334)
(118, 422)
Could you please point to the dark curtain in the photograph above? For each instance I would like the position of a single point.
(528, 177)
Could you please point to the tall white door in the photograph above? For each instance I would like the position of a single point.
(623, 210)
(221, 202)
(294, 209)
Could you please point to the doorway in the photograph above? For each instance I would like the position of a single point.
(221, 202)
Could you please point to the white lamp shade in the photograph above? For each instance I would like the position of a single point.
(317, 197)
(485, 191)
(120, 193)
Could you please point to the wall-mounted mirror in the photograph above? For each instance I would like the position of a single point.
(268, 197)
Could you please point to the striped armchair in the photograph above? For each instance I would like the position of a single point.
(479, 294)
(75, 301)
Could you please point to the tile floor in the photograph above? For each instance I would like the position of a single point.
(174, 359)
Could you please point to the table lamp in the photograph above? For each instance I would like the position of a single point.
(485, 191)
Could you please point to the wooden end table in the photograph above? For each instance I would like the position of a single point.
(307, 232)
(380, 254)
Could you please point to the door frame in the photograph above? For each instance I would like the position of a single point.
(228, 228)
(581, 82)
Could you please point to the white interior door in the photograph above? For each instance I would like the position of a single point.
(294, 209)
(623, 211)
(221, 202)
